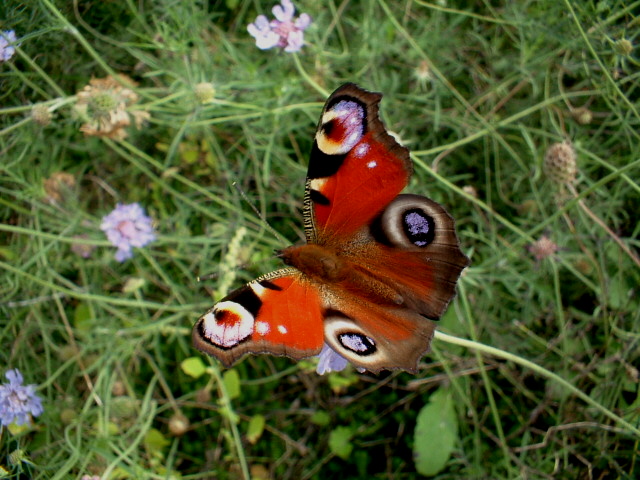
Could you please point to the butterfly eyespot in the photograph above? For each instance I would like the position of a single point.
(418, 227)
(357, 343)
(227, 324)
(410, 222)
(342, 127)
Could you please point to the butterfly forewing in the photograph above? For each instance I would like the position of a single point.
(356, 168)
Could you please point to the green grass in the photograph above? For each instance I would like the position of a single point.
(545, 384)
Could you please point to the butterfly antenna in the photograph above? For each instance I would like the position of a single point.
(259, 214)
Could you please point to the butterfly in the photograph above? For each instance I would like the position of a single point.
(377, 268)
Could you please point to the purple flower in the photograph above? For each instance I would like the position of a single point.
(17, 401)
(7, 37)
(283, 32)
(126, 227)
(330, 361)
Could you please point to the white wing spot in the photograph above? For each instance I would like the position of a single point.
(282, 329)
(262, 328)
(372, 164)
(361, 150)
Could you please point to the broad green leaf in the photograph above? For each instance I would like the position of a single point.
(154, 440)
(340, 442)
(231, 381)
(436, 433)
(82, 317)
(255, 429)
(133, 284)
(193, 366)
(320, 418)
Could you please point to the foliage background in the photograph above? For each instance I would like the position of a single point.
(477, 90)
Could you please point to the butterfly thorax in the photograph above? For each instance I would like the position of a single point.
(315, 261)
(325, 266)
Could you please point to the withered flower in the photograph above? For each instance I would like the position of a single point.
(106, 104)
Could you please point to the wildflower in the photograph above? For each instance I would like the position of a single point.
(17, 401)
(106, 103)
(560, 163)
(543, 248)
(7, 39)
(283, 31)
(330, 361)
(127, 226)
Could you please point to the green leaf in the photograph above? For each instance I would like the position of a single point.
(436, 433)
(133, 284)
(320, 418)
(340, 442)
(255, 429)
(193, 366)
(231, 381)
(82, 317)
(155, 441)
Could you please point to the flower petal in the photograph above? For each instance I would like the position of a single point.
(330, 361)
(303, 21)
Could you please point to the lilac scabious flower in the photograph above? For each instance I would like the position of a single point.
(17, 401)
(7, 39)
(283, 31)
(330, 361)
(126, 227)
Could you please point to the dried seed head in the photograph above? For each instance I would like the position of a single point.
(178, 424)
(560, 163)
(41, 114)
(58, 186)
(470, 190)
(543, 247)
(582, 115)
(624, 47)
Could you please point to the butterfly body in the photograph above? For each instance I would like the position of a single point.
(377, 267)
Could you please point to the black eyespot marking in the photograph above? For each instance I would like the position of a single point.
(378, 233)
(319, 198)
(247, 298)
(270, 285)
(357, 343)
(418, 227)
(322, 165)
(328, 127)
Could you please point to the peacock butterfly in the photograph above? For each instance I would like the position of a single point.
(377, 268)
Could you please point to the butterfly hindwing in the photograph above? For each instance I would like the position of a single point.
(279, 313)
